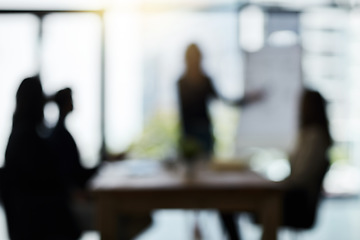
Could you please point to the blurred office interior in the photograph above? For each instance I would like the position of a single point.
(122, 58)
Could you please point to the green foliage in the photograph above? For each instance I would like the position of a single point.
(159, 138)
(339, 153)
(189, 148)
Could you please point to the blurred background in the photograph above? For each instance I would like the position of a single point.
(123, 58)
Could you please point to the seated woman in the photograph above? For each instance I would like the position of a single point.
(76, 176)
(309, 163)
(34, 197)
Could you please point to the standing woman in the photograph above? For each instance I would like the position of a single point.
(34, 197)
(195, 90)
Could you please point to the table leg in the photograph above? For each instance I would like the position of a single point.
(107, 220)
(271, 217)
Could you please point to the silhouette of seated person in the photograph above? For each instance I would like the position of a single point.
(76, 176)
(195, 90)
(308, 162)
(35, 200)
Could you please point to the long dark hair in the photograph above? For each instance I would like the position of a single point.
(313, 112)
(30, 102)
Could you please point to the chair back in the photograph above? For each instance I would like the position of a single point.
(301, 205)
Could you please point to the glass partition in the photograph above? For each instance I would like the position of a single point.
(18, 59)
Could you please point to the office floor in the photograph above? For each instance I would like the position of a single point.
(338, 219)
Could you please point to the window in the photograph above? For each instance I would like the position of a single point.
(18, 59)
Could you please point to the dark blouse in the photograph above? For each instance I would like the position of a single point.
(193, 101)
(34, 195)
(73, 173)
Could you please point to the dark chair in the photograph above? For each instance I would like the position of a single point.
(299, 209)
(300, 205)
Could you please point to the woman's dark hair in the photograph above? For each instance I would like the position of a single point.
(63, 96)
(30, 102)
(191, 51)
(313, 111)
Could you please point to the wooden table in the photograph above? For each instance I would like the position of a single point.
(135, 186)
